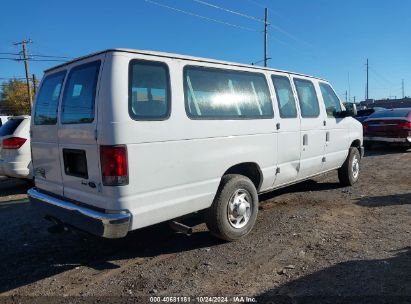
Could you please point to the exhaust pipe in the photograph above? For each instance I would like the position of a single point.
(179, 227)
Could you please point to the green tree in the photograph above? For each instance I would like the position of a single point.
(14, 98)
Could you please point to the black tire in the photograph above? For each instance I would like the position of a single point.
(232, 186)
(348, 174)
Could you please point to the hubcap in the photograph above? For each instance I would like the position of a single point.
(355, 167)
(239, 208)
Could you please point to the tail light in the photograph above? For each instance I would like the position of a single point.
(365, 125)
(13, 143)
(114, 167)
(405, 125)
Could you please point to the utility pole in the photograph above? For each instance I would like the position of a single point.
(265, 36)
(403, 95)
(366, 94)
(354, 99)
(26, 66)
(34, 84)
(346, 96)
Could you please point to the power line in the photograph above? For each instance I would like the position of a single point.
(379, 75)
(200, 16)
(45, 60)
(277, 28)
(10, 54)
(50, 56)
(257, 3)
(12, 78)
(37, 55)
(229, 11)
(32, 59)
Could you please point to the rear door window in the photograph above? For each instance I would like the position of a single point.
(10, 126)
(79, 94)
(307, 98)
(45, 112)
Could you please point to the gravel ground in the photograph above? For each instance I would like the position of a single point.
(313, 242)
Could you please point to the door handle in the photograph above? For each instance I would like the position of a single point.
(305, 140)
(327, 136)
(278, 126)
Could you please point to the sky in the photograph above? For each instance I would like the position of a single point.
(328, 39)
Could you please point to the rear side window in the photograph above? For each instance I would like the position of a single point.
(285, 97)
(10, 127)
(223, 94)
(149, 90)
(79, 94)
(45, 112)
(307, 98)
(331, 101)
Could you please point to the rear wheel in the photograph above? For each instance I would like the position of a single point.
(234, 210)
(349, 172)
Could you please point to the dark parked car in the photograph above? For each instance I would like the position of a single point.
(364, 114)
(388, 126)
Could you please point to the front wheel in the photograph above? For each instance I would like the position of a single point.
(234, 210)
(349, 172)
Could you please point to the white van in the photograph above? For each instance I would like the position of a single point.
(124, 139)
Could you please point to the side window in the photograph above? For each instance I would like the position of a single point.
(307, 98)
(45, 112)
(285, 96)
(149, 90)
(331, 101)
(79, 94)
(222, 94)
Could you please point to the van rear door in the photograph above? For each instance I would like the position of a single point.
(44, 134)
(79, 153)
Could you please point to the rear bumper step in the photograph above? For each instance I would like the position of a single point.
(388, 139)
(98, 223)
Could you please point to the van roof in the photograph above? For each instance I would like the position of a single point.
(178, 56)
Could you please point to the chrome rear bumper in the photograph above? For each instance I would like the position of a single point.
(111, 226)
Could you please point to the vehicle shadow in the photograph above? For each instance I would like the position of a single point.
(385, 200)
(380, 149)
(13, 186)
(33, 254)
(356, 281)
(308, 185)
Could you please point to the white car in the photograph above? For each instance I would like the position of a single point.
(124, 139)
(15, 156)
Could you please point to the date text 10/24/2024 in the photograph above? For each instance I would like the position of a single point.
(234, 299)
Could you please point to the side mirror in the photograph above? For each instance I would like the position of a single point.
(351, 110)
